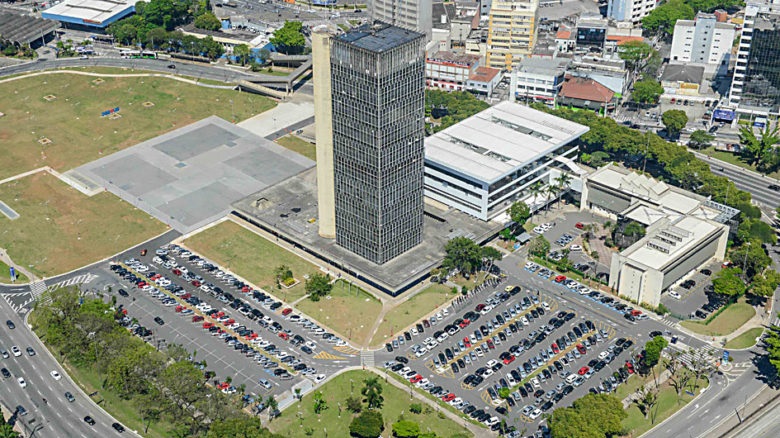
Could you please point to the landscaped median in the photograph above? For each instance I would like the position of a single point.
(412, 310)
(723, 322)
(208, 319)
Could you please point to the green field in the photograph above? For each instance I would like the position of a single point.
(299, 145)
(411, 310)
(726, 322)
(251, 256)
(348, 310)
(396, 403)
(78, 134)
(745, 340)
(60, 229)
(668, 403)
(5, 275)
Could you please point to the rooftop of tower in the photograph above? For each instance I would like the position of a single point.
(378, 36)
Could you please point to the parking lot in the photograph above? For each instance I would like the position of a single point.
(250, 337)
(549, 340)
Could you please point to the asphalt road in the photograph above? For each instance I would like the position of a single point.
(756, 184)
(58, 418)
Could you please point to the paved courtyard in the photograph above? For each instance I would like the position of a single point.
(188, 178)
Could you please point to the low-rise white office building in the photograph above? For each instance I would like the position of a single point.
(484, 163)
(683, 230)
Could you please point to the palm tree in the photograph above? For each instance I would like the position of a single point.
(373, 393)
(563, 181)
(7, 431)
(551, 191)
(536, 190)
(757, 150)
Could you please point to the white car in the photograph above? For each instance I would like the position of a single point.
(319, 378)
(674, 295)
(55, 375)
(535, 414)
(16, 351)
(421, 352)
(491, 363)
(21, 381)
(575, 248)
(603, 355)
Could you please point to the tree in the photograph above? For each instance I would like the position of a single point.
(562, 182)
(372, 391)
(752, 257)
(241, 52)
(415, 408)
(318, 285)
(728, 282)
(552, 192)
(539, 247)
(319, 403)
(283, 273)
(760, 149)
(289, 38)
(536, 190)
(569, 423)
(647, 91)
(354, 405)
(677, 372)
(457, 106)
(662, 18)
(648, 398)
(368, 424)
(273, 405)
(406, 429)
(592, 416)
(634, 53)
(674, 121)
(700, 139)
(764, 285)
(504, 393)
(653, 350)
(208, 21)
(773, 347)
(519, 212)
(462, 254)
(7, 431)
(489, 256)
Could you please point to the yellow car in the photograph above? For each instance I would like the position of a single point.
(508, 288)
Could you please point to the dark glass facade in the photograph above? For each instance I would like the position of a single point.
(762, 74)
(378, 95)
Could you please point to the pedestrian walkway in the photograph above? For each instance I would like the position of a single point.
(367, 358)
(37, 288)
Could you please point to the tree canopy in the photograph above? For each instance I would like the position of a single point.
(406, 429)
(460, 105)
(759, 149)
(764, 285)
(372, 391)
(663, 17)
(462, 254)
(729, 282)
(751, 257)
(700, 139)
(634, 53)
(208, 21)
(539, 246)
(289, 38)
(519, 212)
(592, 416)
(318, 285)
(647, 91)
(674, 121)
(653, 349)
(368, 424)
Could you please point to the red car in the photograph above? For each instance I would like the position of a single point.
(490, 344)
(467, 342)
(479, 307)
(178, 309)
(555, 348)
(416, 379)
(583, 370)
(196, 283)
(245, 289)
(286, 311)
(465, 323)
(509, 359)
(581, 348)
(630, 367)
(579, 225)
(284, 336)
(208, 325)
(448, 398)
(636, 312)
(186, 296)
(176, 272)
(560, 278)
(197, 318)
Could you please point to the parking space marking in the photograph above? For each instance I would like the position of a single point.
(346, 349)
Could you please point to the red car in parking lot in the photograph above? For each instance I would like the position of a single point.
(581, 348)
(509, 359)
(416, 379)
(630, 367)
(286, 311)
(479, 307)
(176, 272)
(465, 323)
(560, 278)
(555, 348)
(579, 225)
(467, 342)
(208, 325)
(284, 336)
(196, 283)
(197, 318)
(490, 344)
(583, 370)
(448, 398)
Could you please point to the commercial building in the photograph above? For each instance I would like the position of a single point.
(755, 88)
(632, 11)
(449, 71)
(377, 85)
(539, 79)
(682, 80)
(484, 80)
(90, 13)
(511, 32)
(592, 33)
(484, 163)
(702, 41)
(23, 29)
(683, 230)
(586, 93)
(410, 14)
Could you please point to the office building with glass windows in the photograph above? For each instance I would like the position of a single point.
(755, 88)
(377, 74)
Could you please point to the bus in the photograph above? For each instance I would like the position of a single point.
(137, 54)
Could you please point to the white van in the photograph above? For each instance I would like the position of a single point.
(571, 378)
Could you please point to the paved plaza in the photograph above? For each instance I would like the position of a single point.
(188, 178)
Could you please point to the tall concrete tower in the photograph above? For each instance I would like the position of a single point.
(323, 120)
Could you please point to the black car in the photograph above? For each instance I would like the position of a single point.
(30, 351)
(21, 410)
(655, 333)
(306, 350)
(408, 336)
(501, 410)
(89, 420)
(706, 272)
(396, 367)
(523, 392)
(454, 367)
(401, 359)
(389, 347)
(159, 320)
(118, 427)
(123, 292)
(6, 373)
(10, 324)
(774, 187)
(546, 406)
(461, 363)
(629, 317)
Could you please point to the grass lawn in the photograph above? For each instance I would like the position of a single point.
(726, 322)
(73, 124)
(299, 145)
(251, 256)
(5, 275)
(337, 391)
(411, 311)
(349, 311)
(668, 404)
(745, 340)
(634, 382)
(734, 159)
(60, 229)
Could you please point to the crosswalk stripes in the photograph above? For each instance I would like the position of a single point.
(367, 358)
(346, 349)
(667, 322)
(327, 356)
(37, 288)
(80, 279)
(15, 306)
